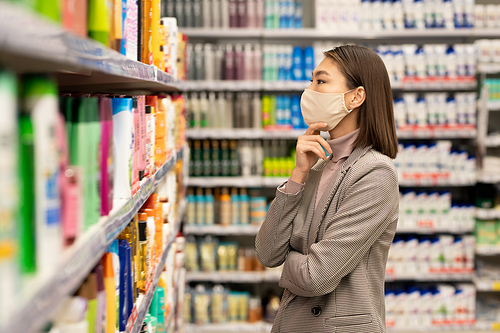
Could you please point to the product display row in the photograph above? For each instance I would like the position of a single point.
(117, 286)
(428, 307)
(224, 207)
(433, 161)
(208, 254)
(436, 110)
(218, 305)
(434, 211)
(428, 256)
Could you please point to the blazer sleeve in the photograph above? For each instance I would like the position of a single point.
(369, 206)
(273, 240)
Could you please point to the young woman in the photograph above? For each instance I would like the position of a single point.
(332, 223)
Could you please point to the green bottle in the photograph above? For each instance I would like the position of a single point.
(50, 9)
(98, 21)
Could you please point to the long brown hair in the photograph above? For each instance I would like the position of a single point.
(363, 67)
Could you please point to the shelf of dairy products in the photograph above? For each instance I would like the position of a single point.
(234, 277)
(140, 310)
(42, 298)
(487, 214)
(221, 230)
(30, 43)
(427, 132)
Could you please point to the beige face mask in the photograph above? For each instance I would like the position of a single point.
(323, 107)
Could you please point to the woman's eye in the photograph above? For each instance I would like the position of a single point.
(320, 81)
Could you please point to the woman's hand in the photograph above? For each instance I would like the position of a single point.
(308, 151)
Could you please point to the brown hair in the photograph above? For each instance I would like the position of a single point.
(363, 67)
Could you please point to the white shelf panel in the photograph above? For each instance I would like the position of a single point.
(492, 140)
(234, 230)
(223, 85)
(258, 133)
(229, 328)
(257, 181)
(494, 105)
(234, 277)
(488, 178)
(430, 277)
(45, 293)
(431, 231)
(30, 43)
(141, 309)
(487, 214)
(488, 250)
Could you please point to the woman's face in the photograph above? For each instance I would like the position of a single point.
(327, 78)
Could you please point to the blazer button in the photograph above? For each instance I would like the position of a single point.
(316, 311)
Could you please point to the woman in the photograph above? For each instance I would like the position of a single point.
(332, 223)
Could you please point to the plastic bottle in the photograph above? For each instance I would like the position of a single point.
(50, 9)
(41, 104)
(225, 207)
(308, 62)
(244, 207)
(98, 22)
(235, 207)
(122, 139)
(209, 207)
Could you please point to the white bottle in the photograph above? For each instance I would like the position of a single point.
(479, 16)
(388, 15)
(257, 111)
(207, 14)
(448, 15)
(195, 109)
(399, 19)
(209, 62)
(221, 111)
(377, 15)
(366, 15)
(418, 8)
(216, 14)
(224, 14)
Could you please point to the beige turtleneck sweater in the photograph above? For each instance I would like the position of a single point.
(341, 147)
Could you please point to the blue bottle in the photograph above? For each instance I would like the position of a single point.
(297, 64)
(298, 15)
(296, 114)
(309, 62)
(287, 112)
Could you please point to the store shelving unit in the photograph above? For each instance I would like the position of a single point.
(29, 43)
(259, 327)
(220, 230)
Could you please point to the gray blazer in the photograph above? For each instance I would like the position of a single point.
(334, 256)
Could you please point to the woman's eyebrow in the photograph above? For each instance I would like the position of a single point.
(320, 72)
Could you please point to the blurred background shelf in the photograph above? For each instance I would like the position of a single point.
(220, 230)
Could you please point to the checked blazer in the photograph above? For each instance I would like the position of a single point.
(334, 256)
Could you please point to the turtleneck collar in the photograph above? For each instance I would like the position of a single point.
(343, 146)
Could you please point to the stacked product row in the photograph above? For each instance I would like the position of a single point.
(208, 254)
(246, 110)
(435, 110)
(235, 13)
(69, 158)
(434, 211)
(488, 232)
(218, 305)
(431, 256)
(109, 296)
(435, 161)
(377, 15)
(133, 28)
(224, 207)
(440, 307)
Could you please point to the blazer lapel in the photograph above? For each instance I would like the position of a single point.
(330, 191)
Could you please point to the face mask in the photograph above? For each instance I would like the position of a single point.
(323, 107)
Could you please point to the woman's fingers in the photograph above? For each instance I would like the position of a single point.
(314, 128)
(314, 147)
(320, 140)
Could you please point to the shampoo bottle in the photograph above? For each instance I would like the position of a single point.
(41, 103)
(98, 22)
(109, 286)
(122, 146)
(107, 163)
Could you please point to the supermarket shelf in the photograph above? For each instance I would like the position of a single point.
(430, 277)
(257, 181)
(141, 309)
(313, 33)
(486, 285)
(230, 327)
(431, 231)
(233, 230)
(487, 214)
(234, 277)
(467, 83)
(494, 105)
(489, 68)
(486, 326)
(492, 140)
(78, 261)
(487, 250)
(257, 133)
(488, 178)
(29, 43)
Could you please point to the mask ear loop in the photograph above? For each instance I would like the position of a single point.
(343, 98)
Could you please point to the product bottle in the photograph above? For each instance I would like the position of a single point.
(225, 207)
(235, 207)
(122, 146)
(244, 207)
(206, 156)
(41, 104)
(308, 62)
(98, 22)
(256, 111)
(109, 286)
(143, 252)
(124, 267)
(50, 9)
(191, 207)
(106, 146)
(235, 163)
(200, 207)
(209, 207)
(215, 158)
